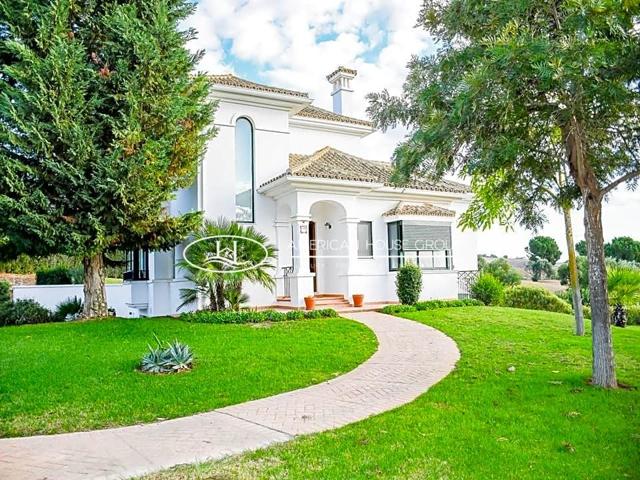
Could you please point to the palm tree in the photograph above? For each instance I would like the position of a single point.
(624, 291)
(221, 283)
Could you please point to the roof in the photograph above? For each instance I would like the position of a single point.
(427, 209)
(348, 71)
(334, 164)
(312, 111)
(233, 81)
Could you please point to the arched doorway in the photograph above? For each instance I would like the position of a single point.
(328, 249)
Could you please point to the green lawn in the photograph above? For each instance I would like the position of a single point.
(80, 376)
(542, 421)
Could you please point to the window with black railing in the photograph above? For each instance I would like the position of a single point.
(137, 265)
(426, 244)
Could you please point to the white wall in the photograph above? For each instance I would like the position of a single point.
(50, 296)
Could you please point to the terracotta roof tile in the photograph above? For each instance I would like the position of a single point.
(233, 81)
(423, 209)
(333, 164)
(312, 111)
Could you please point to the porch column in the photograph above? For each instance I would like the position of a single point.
(351, 225)
(302, 280)
(284, 259)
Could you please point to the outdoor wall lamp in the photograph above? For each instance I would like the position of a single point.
(327, 225)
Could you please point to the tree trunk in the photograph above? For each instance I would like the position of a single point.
(95, 294)
(604, 373)
(220, 295)
(574, 281)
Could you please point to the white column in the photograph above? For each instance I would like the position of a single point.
(282, 228)
(351, 225)
(302, 280)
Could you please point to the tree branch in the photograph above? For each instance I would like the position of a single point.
(622, 179)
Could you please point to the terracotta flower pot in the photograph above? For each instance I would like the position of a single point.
(358, 300)
(309, 303)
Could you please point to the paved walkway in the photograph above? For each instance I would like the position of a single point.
(410, 358)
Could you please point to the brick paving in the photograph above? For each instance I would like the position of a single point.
(410, 358)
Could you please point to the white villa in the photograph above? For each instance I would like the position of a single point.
(293, 171)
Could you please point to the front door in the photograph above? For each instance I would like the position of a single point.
(313, 264)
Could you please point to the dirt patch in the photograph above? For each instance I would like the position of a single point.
(19, 279)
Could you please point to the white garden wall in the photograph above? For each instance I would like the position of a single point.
(50, 296)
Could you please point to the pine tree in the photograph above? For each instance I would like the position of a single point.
(102, 119)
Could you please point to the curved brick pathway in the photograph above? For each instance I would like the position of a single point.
(410, 358)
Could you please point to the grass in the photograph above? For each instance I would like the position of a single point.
(541, 421)
(80, 376)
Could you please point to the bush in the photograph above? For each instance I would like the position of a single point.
(503, 271)
(5, 291)
(69, 309)
(22, 312)
(60, 276)
(176, 357)
(409, 284)
(633, 315)
(251, 316)
(488, 289)
(535, 298)
(431, 305)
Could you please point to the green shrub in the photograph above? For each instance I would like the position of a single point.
(393, 309)
(409, 284)
(60, 276)
(5, 291)
(22, 312)
(175, 357)
(431, 305)
(633, 315)
(488, 289)
(535, 298)
(503, 271)
(68, 309)
(251, 316)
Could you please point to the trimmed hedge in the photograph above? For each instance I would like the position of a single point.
(488, 289)
(60, 276)
(432, 305)
(409, 284)
(250, 316)
(5, 291)
(23, 312)
(535, 298)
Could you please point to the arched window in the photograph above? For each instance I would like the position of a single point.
(244, 171)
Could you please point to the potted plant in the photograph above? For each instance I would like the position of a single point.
(358, 299)
(309, 302)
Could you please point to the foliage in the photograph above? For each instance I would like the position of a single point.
(68, 309)
(5, 291)
(223, 289)
(102, 120)
(409, 283)
(581, 248)
(431, 305)
(253, 316)
(624, 286)
(59, 276)
(80, 376)
(544, 247)
(488, 289)
(539, 267)
(537, 102)
(22, 312)
(633, 315)
(534, 298)
(172, 357)
(623, 248)
(503, 271)
(482, 262)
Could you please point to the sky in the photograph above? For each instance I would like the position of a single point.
(296, 43)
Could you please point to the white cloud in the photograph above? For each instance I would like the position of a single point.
(296, 43)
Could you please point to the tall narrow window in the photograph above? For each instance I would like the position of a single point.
(244, 170)
(365, 240)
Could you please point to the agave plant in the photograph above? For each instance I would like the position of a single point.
(176, 357)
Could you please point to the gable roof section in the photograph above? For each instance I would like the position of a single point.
(230, 80)
(311, 111)
(426, 209)
(334, 164)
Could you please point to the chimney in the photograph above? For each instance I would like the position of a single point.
(342, 92)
